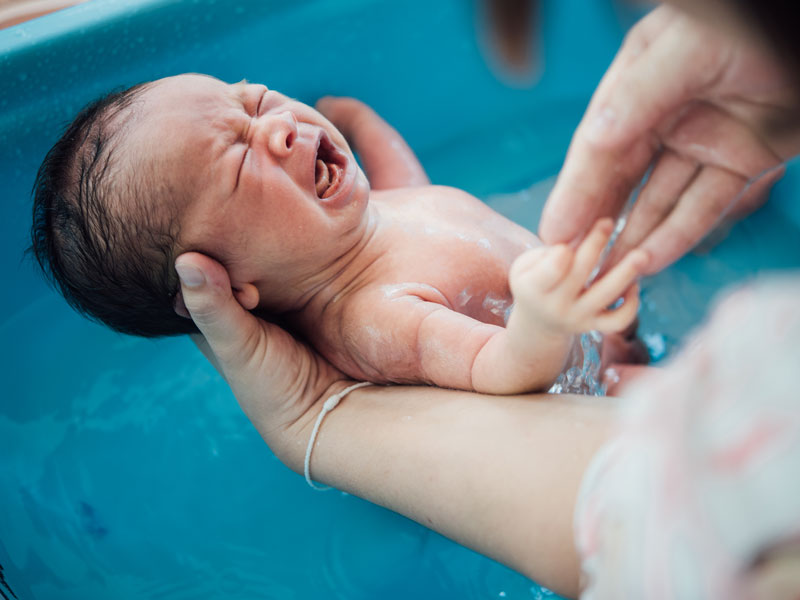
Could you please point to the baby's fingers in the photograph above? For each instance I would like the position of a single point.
(613, 284)
(617, 319)
(540, 269)
(588, 255)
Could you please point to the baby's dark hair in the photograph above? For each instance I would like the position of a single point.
(95, 232)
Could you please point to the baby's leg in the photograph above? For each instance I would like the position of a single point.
(618, 376)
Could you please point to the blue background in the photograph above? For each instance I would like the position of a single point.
(126, 468)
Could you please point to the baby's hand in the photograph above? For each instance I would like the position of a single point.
(549, 290)
(387, 159)
(343, 112)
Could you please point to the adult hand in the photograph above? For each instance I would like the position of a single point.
(276, 379)
(692, 103)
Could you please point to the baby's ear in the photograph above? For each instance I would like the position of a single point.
(247, 295)
(180, 307)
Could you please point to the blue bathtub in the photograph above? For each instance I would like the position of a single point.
(126, 468)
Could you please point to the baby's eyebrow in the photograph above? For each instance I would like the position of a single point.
(241, 85)
(240, 88)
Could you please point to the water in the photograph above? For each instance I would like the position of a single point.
(126, 468)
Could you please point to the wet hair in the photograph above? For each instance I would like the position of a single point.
(95, 234)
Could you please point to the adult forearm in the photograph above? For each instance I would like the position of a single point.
(497, 474)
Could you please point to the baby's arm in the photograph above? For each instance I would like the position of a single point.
(551, 305)
(387, 159)
(412, 340)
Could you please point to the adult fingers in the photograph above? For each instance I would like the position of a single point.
(230, 331)
(704, 137)
(680, 65)
(699, 209)
(642, 35)
(592, 184)
(596, 183)
(637, 41)
(668, 224)
(671, 175)
(618, 137)
(203, 346)
(274, 378)
(709, 135)
(756, 192)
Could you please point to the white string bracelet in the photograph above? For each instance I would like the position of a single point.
(327, 407)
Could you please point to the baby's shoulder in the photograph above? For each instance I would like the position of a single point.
(427, 192)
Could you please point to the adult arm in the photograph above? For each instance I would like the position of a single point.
(696, 106)
(388, 160)
(497, 474)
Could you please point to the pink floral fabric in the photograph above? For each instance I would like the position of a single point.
(703, 477)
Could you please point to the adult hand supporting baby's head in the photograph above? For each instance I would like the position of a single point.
(691, 102)
(275, 378)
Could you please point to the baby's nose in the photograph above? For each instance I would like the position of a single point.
(281, 133)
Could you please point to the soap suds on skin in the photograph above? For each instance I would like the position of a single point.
(463, 298)
(500, 307)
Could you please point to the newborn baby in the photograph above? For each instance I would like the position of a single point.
(404, 283)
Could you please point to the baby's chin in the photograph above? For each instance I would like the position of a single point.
(359, 196)
(361, 179)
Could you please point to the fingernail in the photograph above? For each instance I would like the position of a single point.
(190, 276)
(602, 124)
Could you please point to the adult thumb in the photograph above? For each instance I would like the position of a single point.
(228, 329)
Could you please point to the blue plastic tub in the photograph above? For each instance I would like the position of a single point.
(126, 468)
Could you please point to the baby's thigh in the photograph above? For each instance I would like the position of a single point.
(621, 350)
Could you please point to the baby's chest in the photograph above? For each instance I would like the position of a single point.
(452, 242)
(465, 276)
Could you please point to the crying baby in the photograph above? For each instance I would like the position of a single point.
(391, 279)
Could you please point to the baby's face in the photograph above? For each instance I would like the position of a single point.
(264, 183)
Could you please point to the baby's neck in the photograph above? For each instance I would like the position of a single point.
(342, 274)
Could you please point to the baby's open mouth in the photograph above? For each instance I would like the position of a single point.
(328, 169)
